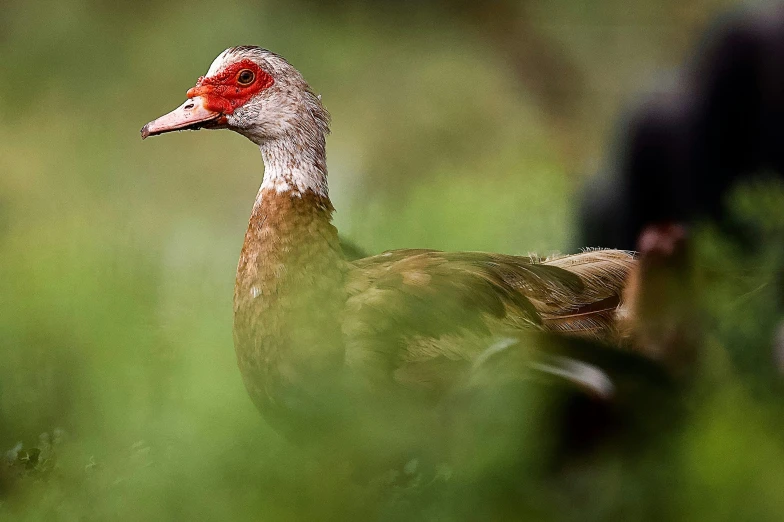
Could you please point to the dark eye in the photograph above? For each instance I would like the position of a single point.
(245, 77)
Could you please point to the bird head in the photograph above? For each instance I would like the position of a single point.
(251, 91)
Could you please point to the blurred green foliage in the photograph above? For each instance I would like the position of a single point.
(117, 258)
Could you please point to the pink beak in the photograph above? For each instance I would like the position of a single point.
(191, 115)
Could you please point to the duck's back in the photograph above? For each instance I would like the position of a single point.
(420, 317)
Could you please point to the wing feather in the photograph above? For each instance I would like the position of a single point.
(407, 308)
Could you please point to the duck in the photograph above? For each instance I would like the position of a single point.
(405, 326)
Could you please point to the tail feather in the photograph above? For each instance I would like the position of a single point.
(594, 310)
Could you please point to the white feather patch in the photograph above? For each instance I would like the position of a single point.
(298, 178)
(218, 63)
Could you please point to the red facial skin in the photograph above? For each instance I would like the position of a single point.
(223, 92)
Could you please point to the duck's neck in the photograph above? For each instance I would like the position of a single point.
(296, 166)
(289, 291)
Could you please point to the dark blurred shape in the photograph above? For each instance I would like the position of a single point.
(597, 395)
(680, 153)
(679, 157)
(550, 409)
(661, 298)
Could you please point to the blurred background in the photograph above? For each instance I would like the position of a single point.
(456, 125)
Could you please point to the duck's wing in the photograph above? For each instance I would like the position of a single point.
(419, 316)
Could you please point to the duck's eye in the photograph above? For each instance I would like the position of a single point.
(245, 77)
